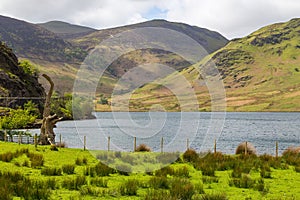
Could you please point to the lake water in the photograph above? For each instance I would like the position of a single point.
(229, 129)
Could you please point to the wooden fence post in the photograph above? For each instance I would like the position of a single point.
(246, 148)
(5, 136)
(187, 144)
(35, 140)
(134, 144)
(215, 146)
(162, 145)
(19, 138)
(60, 140)
(84, 143)
(276, 153)
(108, 143)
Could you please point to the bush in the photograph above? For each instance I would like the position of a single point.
(297, 169)
(158, 195)
(182, 189)
(81, 161)
(103, 170)
(143, 148)
(37, 160)
(51, 171)
(74, 183)
(159, 182)
(129, 188)
(190, 155)
(242, 148)
(99, 182)
(165, 171)
(68, 169)
(182, 172)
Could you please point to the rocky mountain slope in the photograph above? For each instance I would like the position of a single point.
(15, 82)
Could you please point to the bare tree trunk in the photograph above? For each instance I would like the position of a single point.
(47, 135)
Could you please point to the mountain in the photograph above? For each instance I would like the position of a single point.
(34, 42)
(15, 82)
(260, 72)
(66, 30)
(210, 40)
(58, 48)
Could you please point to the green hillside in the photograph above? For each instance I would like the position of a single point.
(261, 72)
(66, 30)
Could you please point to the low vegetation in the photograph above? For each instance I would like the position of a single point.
(39, 173)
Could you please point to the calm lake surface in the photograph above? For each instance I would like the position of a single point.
(229, 129)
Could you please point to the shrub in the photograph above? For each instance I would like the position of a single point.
(142, 148)
(103, 170)
(89, 190)
(51, 171)
(6, 157)
(37, 160)
(99, 182)
(129, 188)
(74, 183)
(78, 161)
(68, 169)
(182, 189)
(242, 147)
(51, 183)
(159, 182)
(157, 195)
(164, 171)
(81, 161)
(190, 155)
(297, 169)
(182, 172)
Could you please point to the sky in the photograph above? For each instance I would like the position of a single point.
(232, 18)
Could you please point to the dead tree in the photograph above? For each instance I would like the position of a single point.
(47, 135)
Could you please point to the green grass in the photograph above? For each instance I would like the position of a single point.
(63, 174)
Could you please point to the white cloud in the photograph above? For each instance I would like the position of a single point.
(232, 18)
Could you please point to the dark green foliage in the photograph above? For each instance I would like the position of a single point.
(159, 182)
(129, 188)
(190, 155)
(182, 189)
(68, 169)
(51, 171)
(20, 118)
(6, 157)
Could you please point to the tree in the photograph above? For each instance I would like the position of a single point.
(47, 135)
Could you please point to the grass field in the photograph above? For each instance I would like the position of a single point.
(27, 172)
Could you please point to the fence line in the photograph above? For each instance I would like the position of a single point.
(27, 139)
